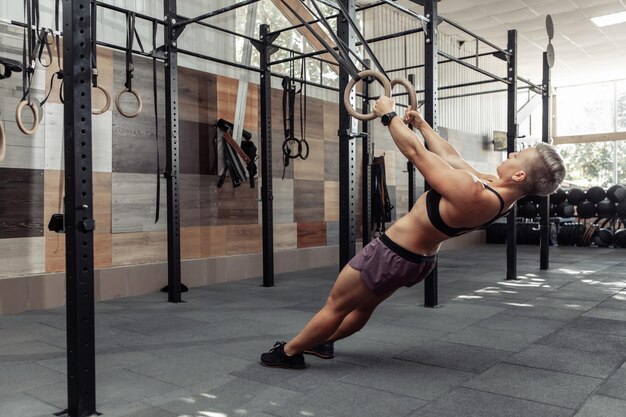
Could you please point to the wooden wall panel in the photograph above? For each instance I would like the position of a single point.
(237, 205)
(331, 160)
(197, 96)
(314, 118)
(285, 236)
(22, 151)
(139, 248)
(332, 233)
(22, 256)
(213, 238)
(54, 189)
(55, 251)
(199, 200)
(308, 201)
(242, 239)
(134, 140)
(203, 241)
(331, 121)
(21, 205)
(101, 143)
(283, 200)
(311, 168)
(190, 242)
(134, 144)
(133, 203)
(227, 102)
(331, 201)
(198, 148)
(311, 234)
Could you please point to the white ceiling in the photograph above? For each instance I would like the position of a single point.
(584, 52)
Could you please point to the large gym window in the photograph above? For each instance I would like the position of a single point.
(590, 126)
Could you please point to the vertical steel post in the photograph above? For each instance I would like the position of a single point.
(544, 207)
(267, 196)
(347, 152)
(511, 135)
(430, 115)
(79, 223)
(171, 142)
(366, 164)
(410, 168)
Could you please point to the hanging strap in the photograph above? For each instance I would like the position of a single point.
(304, 152)
(131, 34)
(31, 11)
(59, 73)
(156, 118)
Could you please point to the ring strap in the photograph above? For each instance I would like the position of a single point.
(156, 119)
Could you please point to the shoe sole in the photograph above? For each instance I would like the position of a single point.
(319, 355)
(282, 366)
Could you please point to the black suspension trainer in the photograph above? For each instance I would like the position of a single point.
(290, 91)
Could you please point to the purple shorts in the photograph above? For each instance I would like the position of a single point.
(385, 266)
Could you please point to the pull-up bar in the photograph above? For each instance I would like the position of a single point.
(214, 13)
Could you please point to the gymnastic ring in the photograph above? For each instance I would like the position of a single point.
(139, 103)
(3, 143)
(346, 94)
(18, 117)
(409, 88)
(287, 150)
(106, 107)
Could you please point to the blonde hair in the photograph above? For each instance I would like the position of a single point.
(547, 172)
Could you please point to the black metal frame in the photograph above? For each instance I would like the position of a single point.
(347, 152)
(430, 116)
(546, 133)
(367, 153)
(79, 223)
(512, 133)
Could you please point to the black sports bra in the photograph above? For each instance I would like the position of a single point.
(432, 207)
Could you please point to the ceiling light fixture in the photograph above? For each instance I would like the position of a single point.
(609, 19)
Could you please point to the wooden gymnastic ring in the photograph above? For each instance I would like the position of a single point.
(346, 94)
(107, 106)
(3, 142)
(139, 103)
(18, 117)
(409, 88)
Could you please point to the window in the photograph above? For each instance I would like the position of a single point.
(585, 109)
(268, 13)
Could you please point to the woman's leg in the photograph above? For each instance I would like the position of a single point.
(348, 293)
(358, 318)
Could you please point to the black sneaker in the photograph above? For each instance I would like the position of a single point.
(324, 350)
(277, 358)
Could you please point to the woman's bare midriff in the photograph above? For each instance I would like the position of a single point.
(415, 233)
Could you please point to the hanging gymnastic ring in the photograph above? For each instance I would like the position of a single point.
(409, 88)
(139, 103)
(346, 94)
(107, 106)
(3, 143)
(18, 117)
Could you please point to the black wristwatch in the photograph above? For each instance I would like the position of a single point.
(387, 118)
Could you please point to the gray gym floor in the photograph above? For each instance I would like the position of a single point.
(552, 344)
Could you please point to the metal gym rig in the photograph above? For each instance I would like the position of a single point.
(78, 206)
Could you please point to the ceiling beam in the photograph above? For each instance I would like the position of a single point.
(597, 137)
(307, 16)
